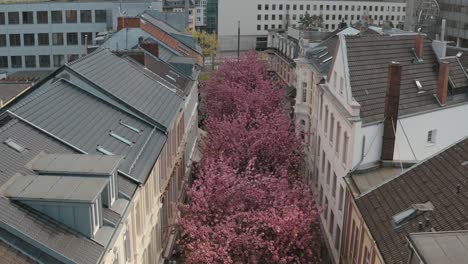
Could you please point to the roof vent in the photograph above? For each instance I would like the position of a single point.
(419, 86)
(13, 145)
(120, 138)
(104, 151)
(134, 129)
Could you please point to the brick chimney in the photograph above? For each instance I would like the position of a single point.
(151, 47)
(442, 83)
(392, 103)
(128, 22)
(419, 45)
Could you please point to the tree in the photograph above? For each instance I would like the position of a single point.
(207, 41)
(248, 218)
(309, 22)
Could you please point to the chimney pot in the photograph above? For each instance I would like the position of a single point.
(442, 83)
(419, 45)
(420, 226)
(392, 102)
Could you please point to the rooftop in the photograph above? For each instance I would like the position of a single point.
(441, 247)
(10, 90)
(440, 180)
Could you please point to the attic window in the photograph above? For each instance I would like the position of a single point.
(134, 129)
(120, 138)
(404, 216)
(13, 145)
(419, 86)
(323, 55)
(327, 60)
(104, 151)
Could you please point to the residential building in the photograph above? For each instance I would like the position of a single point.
(415, 216)
(85, 112)
(257, 17)
(350, 130)
(182, 6)
(46, 34)
(200, 14)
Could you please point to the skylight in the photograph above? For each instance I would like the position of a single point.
(170, 77)
(104, 151)
(134, 129)
(13, 145)
(323, 55)
(120, 138)
(327, 59)
(404, 216)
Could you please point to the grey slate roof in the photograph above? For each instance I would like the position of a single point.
(86, 122)
(9, 255)
(26, 224)
(441, 247)
(128, 83)
(368, 59)
(55, 188)
(319, 55)
(30, 76)
(76, 164)
(176, 20)
(9, 90)
(434, 180)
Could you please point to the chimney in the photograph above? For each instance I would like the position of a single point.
(442, 31)
(150, 47)
(419, 45)
(442, 83)
(392, 102)
(128, 22)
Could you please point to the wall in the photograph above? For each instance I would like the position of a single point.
(246, 11)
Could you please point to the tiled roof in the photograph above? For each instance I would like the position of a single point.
(368, 59)
(127, 82)
(9, 90)
(458, 76)
(435, 180)
(17, 219)
(9, 255)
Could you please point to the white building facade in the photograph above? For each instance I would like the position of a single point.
(45, 35)
(258, 16)
(200, 13)
(342, 137)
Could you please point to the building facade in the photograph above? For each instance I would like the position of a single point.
(47, 34)
(257, 17)
(200, 14)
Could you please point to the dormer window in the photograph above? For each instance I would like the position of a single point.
(419, 86)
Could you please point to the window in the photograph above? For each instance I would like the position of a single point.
(341, 85)
(259, 7)
(337, 237)
(83, 38)
(366, 257)
(265, 27)
(345, 147)
(431, 136)
(3, 62)
(321, 106)
(338, 135)
(304, 92)
(85, 16)
(16, 62)
(72, 38)
(42, 17)
(259, 17)
(13, 18)
(71, 16)
(43, 39)
(28, 17)
(266, 7)
(44, 61)
(138, 218)
(273, 17)
(332, 127)
(3, 40)
(328, 172)
(323, 161)
(2, 18)
(57, 39)
(280, 7)
(325, 206)
(325, 126)
(259, 27)
(334, 184)
(30, 61)
(15, 40)
(266, 17)
(321, 195)
(59, 60)
(57, 17)
(29, 40)
(273, 7)
(332, 222)
(72, 57)
(340, 198)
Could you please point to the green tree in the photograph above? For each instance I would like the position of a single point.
(311, 22)
(207, 41)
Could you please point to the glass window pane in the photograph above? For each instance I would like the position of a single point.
(3, 62)
(100, 16)
(3, 40)
(28, 17)
(43, 39)
(59, 60)
(15, 40)
(30, 61)
(29, 39)
(57, 39)
(85, 16)
(2, 18)
(72, 38)
(13, 18)
(16, 62)
(71, 16)
(57, 17)
(44, 61)
(42, 17)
